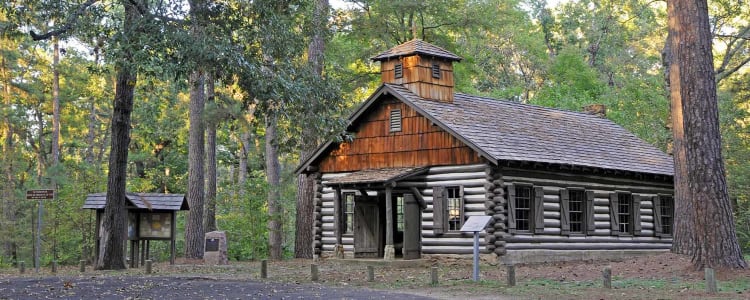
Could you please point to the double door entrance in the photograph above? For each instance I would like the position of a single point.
(370, 227)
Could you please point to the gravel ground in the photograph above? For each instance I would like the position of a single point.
(176, 287)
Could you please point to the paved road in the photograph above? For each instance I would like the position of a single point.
(129, 287)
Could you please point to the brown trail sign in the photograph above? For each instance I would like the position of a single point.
(40, 194)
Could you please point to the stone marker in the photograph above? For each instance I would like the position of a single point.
(215, 249)
(370, 273)
(22, 267)
(149, 266)
(82, 265)
(607, 277)
(710, 281)
(314, 272)
(511, 275)
(434, 276)
(263, 269)
(54, 266)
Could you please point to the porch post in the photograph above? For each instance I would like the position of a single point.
(338, 250)
(389, 251)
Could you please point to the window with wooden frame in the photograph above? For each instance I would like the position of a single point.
(395, 120)
(525, 208)
(455, 208)
(625, 213)
(663, 215)
(436, 70)
(398, 70)
(447, 209)
(576, 211)
(347, 213)
(400, 213)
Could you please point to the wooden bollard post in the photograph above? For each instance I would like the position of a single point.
(313, 272)
(607, 277)
(149, 266)
(710, 281)
(54, 266)
(370, 273)
(434, 276)
(82, 265)
(22, 267)
(264, 269)
(511, 275)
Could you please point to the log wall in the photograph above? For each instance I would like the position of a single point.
(602, 239)
(484, 194)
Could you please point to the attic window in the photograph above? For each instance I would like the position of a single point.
(436, 70)
(395, 120)
(399, 70)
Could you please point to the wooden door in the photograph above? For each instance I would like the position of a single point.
(412, 228)
(366, 229)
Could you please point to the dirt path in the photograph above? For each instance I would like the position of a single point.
(176, 287)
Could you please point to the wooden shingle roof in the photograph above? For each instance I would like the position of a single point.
(376, 176)
(504, 130)
(149, 201)
(416, 46)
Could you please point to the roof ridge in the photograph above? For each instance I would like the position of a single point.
(511, 102)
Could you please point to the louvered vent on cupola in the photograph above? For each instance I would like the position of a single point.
(425, 69)
(395, 120)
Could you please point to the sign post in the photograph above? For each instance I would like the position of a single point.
(476, 224)
(39, 195)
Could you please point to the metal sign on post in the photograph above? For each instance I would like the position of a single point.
(39, 195)
(476, 224)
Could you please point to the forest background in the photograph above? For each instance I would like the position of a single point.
(268, 103)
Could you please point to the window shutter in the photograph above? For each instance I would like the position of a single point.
(463, 204)
(636, 214)
(538, 209)
(613, 207)
(590, 221)
(438, 209)
(564, 212)
(337, 214)
(657, 215)
(395, 120)
(436, 71)
(511, 207)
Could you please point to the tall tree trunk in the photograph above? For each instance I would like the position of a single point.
(112, 250)
(242, 169)
(9, 204)
(210, 162)
(705, 229)
(194, 231)
(305, 185)
(274, 183)
(55, 101)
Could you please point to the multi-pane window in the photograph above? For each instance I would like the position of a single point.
(454, 207)
(577, 210)
(523, 207)
(624, 212)
(400, 213)
(666, 207)
(347, 214)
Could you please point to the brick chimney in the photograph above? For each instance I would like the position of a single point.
(599, 110)
(423, 68)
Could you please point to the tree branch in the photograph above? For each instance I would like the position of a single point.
(66, 26)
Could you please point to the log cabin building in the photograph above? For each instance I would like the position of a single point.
(424, 158)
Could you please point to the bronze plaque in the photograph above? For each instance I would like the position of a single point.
(212, 245)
